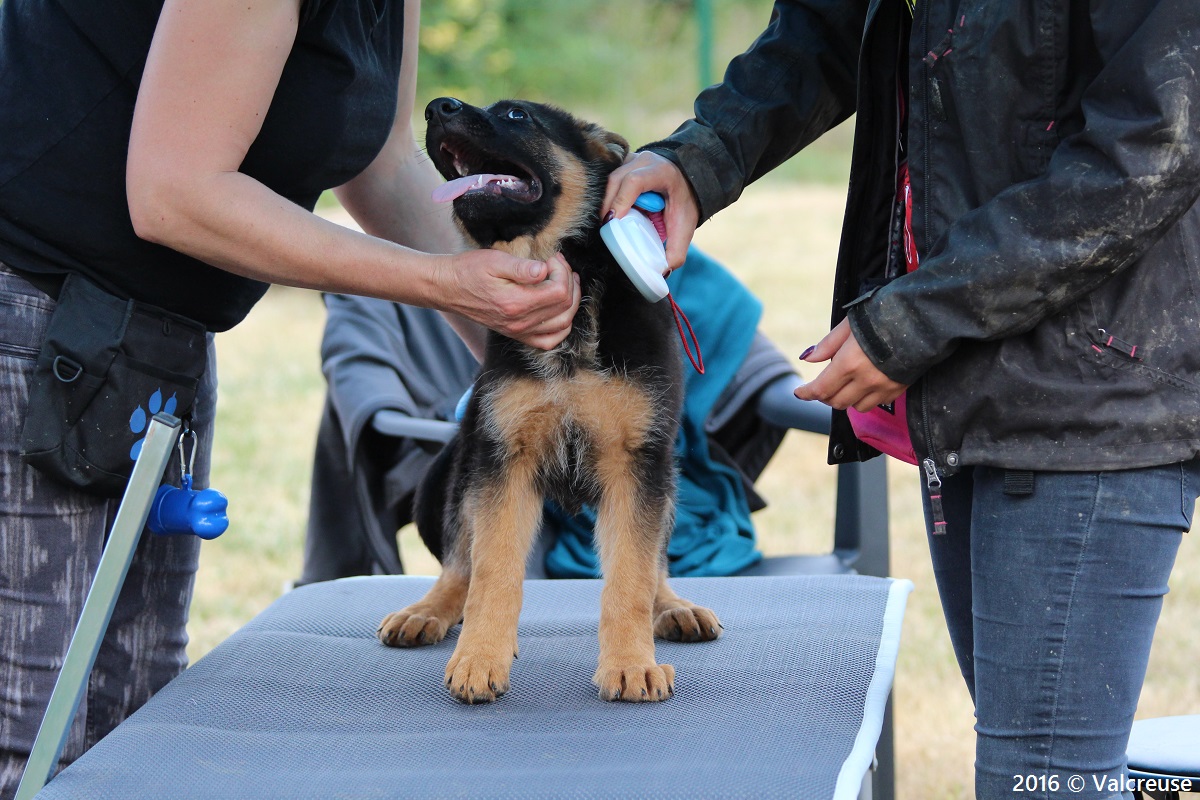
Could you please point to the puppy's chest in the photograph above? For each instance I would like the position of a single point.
(579, 352)
(567, 427)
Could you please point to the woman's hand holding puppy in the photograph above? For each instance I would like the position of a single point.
(533, 302)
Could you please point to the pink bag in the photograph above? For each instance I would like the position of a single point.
(886, 429)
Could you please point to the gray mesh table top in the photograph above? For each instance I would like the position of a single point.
(304, 702)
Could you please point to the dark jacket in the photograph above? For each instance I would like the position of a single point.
(1054, 322)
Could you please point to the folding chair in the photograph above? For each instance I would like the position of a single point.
(1165, 752)
(395, 374)
(860, 534)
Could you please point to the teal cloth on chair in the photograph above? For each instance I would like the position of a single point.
(713, 532)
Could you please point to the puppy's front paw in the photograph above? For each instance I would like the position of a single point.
(687, 622)
(412, 627)
(643, 683)
(476, 678)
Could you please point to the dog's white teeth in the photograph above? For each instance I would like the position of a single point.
(461, 169)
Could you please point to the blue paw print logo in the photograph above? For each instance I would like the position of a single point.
(140, 418)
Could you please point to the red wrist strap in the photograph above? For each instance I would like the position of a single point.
(680, 321)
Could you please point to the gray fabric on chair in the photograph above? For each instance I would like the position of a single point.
(303, 702)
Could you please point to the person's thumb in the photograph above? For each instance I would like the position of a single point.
(515, 269)
(532, 273)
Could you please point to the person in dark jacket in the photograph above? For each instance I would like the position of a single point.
(1018, 271)
(171, 153)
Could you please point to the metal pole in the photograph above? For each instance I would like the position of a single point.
(98, 607)
(704, 32)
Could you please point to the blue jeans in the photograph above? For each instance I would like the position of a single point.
(51, 538)
(1051, 599)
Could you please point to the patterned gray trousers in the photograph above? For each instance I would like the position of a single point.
(50, 543)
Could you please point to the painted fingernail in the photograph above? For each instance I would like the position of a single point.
(608, 217)
(807, 353)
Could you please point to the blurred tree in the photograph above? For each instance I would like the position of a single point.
(632, 65)
(575, 52)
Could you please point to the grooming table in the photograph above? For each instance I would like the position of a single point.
(304, 702)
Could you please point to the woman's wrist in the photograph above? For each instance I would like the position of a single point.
(427, 283)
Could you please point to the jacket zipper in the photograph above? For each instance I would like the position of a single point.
(891, 262)
(933, 483)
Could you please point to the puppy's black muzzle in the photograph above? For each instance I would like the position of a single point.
(442, 109)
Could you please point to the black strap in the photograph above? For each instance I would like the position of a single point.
(1018, 482)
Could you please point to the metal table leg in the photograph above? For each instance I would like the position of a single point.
(98, 607)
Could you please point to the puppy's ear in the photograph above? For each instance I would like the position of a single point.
(604, 145)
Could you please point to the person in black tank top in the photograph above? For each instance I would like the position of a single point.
(172, 153)
(171, 161)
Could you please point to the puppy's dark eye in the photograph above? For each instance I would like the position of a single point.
(517, 113)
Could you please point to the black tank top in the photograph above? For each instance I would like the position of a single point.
(69, 75)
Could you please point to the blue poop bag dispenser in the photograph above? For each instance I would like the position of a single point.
(175, 510)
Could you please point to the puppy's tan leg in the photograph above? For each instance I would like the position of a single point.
(629, 530)
(503, 513)
(679, 620)
(505, 518)
(427, 620)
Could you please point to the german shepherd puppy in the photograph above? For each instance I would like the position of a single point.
(591, 421)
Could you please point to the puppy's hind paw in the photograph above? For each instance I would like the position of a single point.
(411, 628)
(687, 623)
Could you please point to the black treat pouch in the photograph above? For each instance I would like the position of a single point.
(106, 367)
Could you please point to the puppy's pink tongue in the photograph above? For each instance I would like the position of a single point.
(452, 190)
